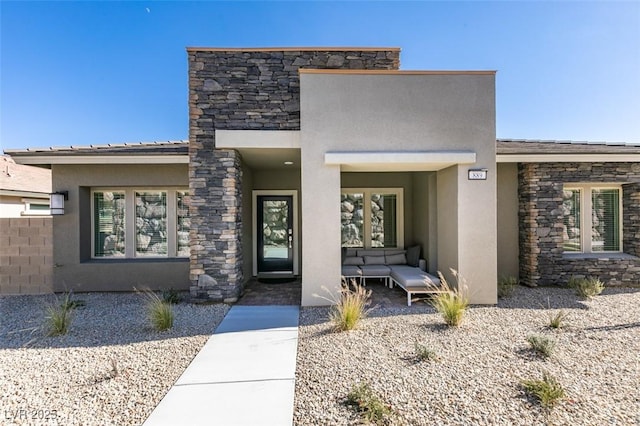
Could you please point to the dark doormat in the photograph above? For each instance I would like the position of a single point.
(282, 280)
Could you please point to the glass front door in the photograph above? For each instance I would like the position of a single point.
(275, 233)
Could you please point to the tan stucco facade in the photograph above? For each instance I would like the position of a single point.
(74, 267)
(507, 211)
(395, 112)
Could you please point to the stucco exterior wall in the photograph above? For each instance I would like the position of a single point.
(507, 206)
(247, 219)
(396, 112)
(26, 255)
(11, 206)
(75, 269)
(447, 228)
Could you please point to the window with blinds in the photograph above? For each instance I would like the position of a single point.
(605, 219)
(592, 218)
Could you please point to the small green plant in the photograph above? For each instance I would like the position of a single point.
(159, 312)
(424, 353)
(69, 303)
(171, 296)
(451, 303)
(368, 404)
(351, 308)
(506, 286)
(547, 391)
(558, 320)
(587, 288)
(58, 316)
(542, 345)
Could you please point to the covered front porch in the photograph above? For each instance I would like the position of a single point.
(266, 292)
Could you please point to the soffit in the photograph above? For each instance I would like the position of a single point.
(270, 158)
(397, 161)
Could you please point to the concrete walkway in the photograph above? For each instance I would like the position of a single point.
(244, 374)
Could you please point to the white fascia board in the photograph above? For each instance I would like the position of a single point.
(407, 160)
(234, 139)
(104, 159)
(567, 158)
(28, 194)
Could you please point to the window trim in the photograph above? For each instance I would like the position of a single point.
(130, 221)
(366, 193)
(40, 201)
(586, 218)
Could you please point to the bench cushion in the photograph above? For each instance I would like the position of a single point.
(375, 270)
(408, 276)
(351, 271)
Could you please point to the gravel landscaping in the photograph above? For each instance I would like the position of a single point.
(476, 379)
(111, 368)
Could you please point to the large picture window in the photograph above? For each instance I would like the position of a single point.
(372, 217)
(592, 218)
(137, 223)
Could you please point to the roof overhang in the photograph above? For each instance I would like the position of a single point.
(393, 161)
(102, 159)
(26, 194)
(567, 158)
(261, 139)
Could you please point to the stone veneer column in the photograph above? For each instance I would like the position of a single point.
(253, 89)
(540, 187)
(631, 218)
(216, 225)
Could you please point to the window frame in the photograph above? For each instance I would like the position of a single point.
(586, 217)
(366, 193)
(28, 211)
(130, 221)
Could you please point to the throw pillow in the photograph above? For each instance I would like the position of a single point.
(353, 260)
(396, 259)
(413, 256)
(374, 260)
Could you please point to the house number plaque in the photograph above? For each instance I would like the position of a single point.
(477, 174)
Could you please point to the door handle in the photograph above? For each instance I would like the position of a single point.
(290, 241)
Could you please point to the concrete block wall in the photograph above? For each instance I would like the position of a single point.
(542, 261)
(26, 255)
(234, 89)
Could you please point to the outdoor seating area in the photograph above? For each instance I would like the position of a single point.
(403, 268)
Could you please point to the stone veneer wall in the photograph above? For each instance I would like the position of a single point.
(542, 261)
(26, 255)
(242, 90)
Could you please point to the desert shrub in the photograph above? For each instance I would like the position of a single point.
(159, 312)
(68, 302)
(547, 391)
(424, 353)
(451, 303)
(558, 320)
(171, 296)
(58, 320)
(351, 307)
(58, 316)
(368, 404)
(587, 288)
(542, 345)
(506, 286)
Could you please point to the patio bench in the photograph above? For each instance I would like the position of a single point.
(393, 267)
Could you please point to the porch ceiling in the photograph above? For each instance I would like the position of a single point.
(270, 158)
(392, 161)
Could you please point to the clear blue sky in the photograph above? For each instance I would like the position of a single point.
(79, 73)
